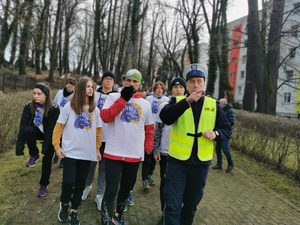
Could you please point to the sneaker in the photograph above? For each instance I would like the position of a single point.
(217, 167)
(32, 161)
(126, 207)
(63, 212)
(130, 199)
(229, 168)
(118, 221)
(146, 184)
(61, 164)
(55, 159)
(98, 201)
(42, 191)
(150, 180)
(86, 192)
(73, 218)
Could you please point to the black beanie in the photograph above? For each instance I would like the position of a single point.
(108, 74)
(176, 81)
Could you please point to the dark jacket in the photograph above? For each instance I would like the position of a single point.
(48, 124)
(172, 111)
(230, 114)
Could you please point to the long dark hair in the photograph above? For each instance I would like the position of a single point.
(48, 101)
(79, 98)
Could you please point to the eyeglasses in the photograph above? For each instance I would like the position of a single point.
(108, 78)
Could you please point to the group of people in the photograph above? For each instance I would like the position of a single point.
(120, 130)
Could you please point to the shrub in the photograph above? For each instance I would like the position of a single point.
(12, 105)
(269, 139)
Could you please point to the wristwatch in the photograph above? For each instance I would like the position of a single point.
(217, 134)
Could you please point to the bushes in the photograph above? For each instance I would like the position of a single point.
(12, 105)
(269, 139)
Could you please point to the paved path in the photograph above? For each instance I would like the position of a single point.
(232, 198)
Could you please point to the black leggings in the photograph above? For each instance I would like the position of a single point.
(30, 136)
(74, 176)
(114, 170)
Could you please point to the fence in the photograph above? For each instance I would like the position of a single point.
(23, 82)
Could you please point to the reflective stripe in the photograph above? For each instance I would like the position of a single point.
(181, 144)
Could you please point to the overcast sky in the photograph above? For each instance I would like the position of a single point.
(238, 9)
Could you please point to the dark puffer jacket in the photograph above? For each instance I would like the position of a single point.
(230, 114)
(48, 124)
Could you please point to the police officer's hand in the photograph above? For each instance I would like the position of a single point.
(194, 97)
(127, 93)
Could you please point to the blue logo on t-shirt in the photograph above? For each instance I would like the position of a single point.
(101, 103)
(64, 101)
(131, 113)
(83, 121)
(155, 105)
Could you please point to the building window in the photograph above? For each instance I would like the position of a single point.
(238, 29)
(244, 59)
(289, 74)
(236, 43)
(294, 31)
(287, 97)
(240, 89)
(232, 74)
(234, 59)
(292, 53)
(242, 74)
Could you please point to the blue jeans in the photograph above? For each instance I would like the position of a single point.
(223, 145)
(183, 190)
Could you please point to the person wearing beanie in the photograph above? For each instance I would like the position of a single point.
(61, 98)
(197, 121)
(108, 76)
(155, 100)
(100, 96)
(37, 123)
(162, 136)
(129, 133)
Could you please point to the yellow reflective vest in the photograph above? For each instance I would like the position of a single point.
(183, 132)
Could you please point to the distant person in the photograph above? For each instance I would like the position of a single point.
(107, 84)
(79, 126)
(129, 133)
(224, 145)
(197, 121)
(162, 136)
(62, 97)
(155, 100)
(37, 123)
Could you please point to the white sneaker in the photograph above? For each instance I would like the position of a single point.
(98, 201)
(86, 192)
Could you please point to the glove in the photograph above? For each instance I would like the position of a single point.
(127, 93)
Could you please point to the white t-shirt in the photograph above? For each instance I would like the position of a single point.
(100, 99)
(165, 133)
(126, 133)
(155, 103)
(79, 134)
(60, 100)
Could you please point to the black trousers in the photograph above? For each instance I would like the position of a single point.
(31, 135)
(148, 167)
(117, 172)
(75, 172)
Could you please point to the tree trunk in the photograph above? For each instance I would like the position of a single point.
(272, 59)
(53, 52)
(255, 61)
(24, 40)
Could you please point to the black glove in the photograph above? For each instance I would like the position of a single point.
(127, 93)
